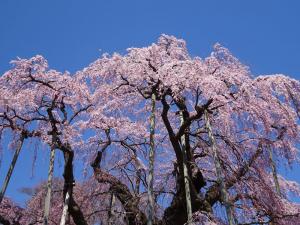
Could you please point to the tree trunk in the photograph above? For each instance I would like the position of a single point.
(122, 192)
(49, 186)
(4, 221)
(176, 213)
(11, 168)
(186, 175)
(224, 194)
(70, 206)
(68, 185)
(151, 163)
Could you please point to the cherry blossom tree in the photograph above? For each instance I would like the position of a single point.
(43, 103)
(248, 115)
(220, 135)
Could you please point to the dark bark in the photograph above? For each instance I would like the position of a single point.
(122, 192)
(68, 175)
(176, 214)
(4, 221)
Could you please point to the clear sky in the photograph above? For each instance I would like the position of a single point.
(263, 34)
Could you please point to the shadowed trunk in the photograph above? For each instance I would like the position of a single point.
(3, 221)
(176, 213)
(68, 175)
(122, 192)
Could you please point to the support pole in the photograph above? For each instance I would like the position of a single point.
(49, 186)
(111, 215)
(151, 162)
(11, 168)
(65, 209)
(186, 175)
(274, 171)
(220, 179)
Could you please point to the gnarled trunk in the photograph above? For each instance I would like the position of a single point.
(69, 203)
(122, 192)
(176, 213)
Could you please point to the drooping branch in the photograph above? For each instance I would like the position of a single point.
(35, 80)
(78, 112)
(213, 193)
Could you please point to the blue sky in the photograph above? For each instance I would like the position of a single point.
(264, 35)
